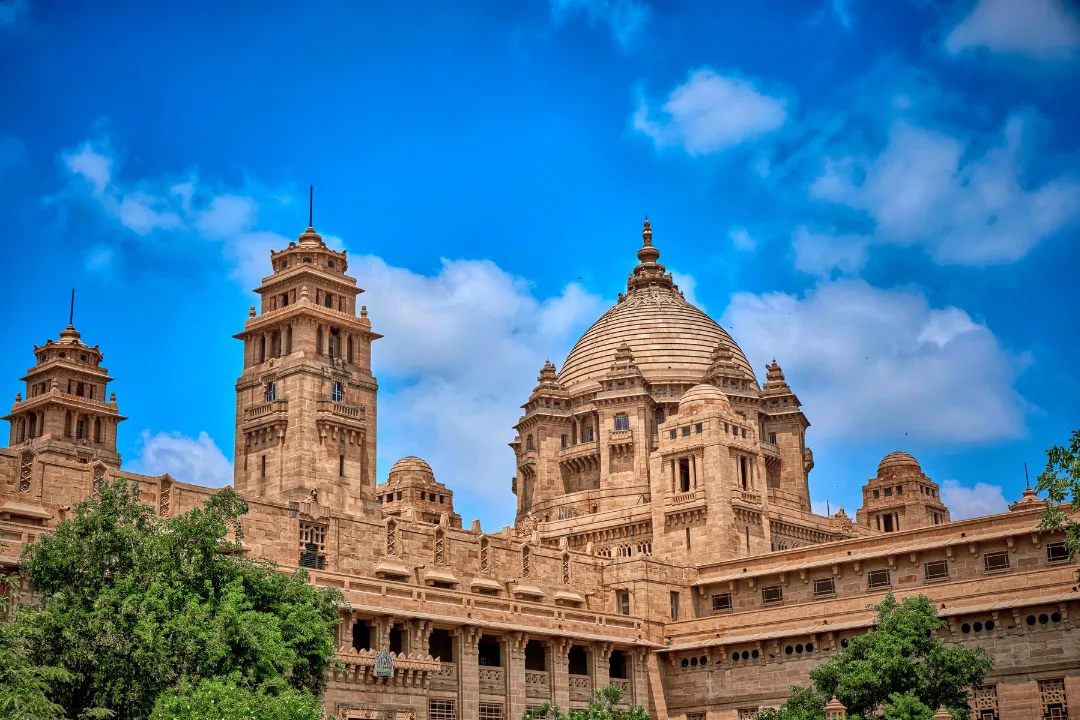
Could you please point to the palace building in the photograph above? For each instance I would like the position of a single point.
(664, 539)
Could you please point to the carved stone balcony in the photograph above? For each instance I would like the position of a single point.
(583, 456)
(770, 450)
(349, 416)
(537, 685)
(270, 408)
(580, 689)
(624, 687)
(492, 681)
(685, 497)
(446, 680)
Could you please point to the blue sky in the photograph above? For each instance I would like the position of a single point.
(883, 196)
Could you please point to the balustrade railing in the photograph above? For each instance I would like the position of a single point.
(751, 497)
(580, 688)
(624, 686)
(257, 411)
(537, 685)
(350, 411)
(492, 681)
(447, 678)
(685, 497)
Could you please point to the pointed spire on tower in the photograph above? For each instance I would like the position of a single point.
(648, 271)
(310, 238)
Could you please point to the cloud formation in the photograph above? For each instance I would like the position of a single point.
(876, 364)
(966, 204)
(624, 18)
(161, 207)
(190, 460)
(1041, 29)
(742, 239)
(967, 502)
(710, 113)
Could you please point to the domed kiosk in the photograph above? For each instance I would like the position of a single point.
(411, 490)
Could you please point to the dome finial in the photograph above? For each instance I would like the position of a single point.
(646, 232)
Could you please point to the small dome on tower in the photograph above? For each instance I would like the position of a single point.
(898, 460)
(412, 467)
(700, 397)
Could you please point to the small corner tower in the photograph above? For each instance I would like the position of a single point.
(65, 411)
(306, 399)
(901, 497)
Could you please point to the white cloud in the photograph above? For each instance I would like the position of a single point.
(742, 239)
(191, 460)
(151, 206)
(1042, 29)
(712, 112)
(461, 352)
(820, 253)
(968, 502)
(966, 207)
(871, 364)
(625, 18)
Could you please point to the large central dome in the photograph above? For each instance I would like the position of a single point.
(671, 339)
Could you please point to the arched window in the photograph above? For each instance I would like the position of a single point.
(338, 394)
(271, 392)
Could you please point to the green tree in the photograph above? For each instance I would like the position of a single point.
(131, 605)
(898, 670)
(1061, 483)
(218, 699)
(602, 706)
(24, 687)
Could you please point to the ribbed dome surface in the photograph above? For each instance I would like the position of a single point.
(411, 465)
(896, 460)
(670, 338)
(701, 396)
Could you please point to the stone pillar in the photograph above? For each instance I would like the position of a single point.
(639, 677)
(693, 471)
(601, 665)
(1019, 701)
(515, 674)
(469, 672)
(560, 672)
(419, 633)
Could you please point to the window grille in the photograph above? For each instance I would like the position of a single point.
(312, 545)
(748, 714)
(824, 587)
(338, 394)
(1056, 552)
(721, 602)
(936, 570)
(26, 466)
(271, 392)
(996, 561)
(622, 422)
(391, 538)
(484, 543)
(1052, 695)
(773, 594)
(878, 579)
(440, 541)
(566, 568)
(491, 711)
(984, 702)
(526, 553)
(623, 597)
(441, 710)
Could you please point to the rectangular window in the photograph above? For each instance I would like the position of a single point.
(772, 594)
(772, 438)
(698, 428)
(899, 489)
(622, 421)
(687, 538)
(877, 493)
(721, 602)
(695, 716)
(623, 598)
(341, 466)
(491, 711)
(1056, 552)
(685, 431)
(824, 587)
(563, 442)
(441, 710)
(588, 434)
(398, 494)
(743, 432)
(673, 434)
(263, 469)
(936, 570)
(888, 492)
(674, 605)
(876, 579)
(996, 561)
(887, 523)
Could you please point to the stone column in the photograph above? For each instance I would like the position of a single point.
(560, 672)
(1019, 701)
(515, 674)
(639, 677)
(469, 671)
(601, 665)
(419, 633)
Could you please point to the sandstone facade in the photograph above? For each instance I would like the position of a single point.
(664, 539)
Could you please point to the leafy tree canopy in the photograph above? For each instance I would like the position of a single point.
(602, 706)
(898, 670)
(217, 699)
(1061, 483)
(129, 605)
